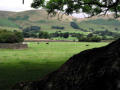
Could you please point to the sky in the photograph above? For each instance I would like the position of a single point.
(17, 6)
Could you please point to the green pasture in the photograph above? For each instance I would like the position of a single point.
(9, 28)
(37, 61)
(8, 23)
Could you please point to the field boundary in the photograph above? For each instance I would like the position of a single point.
(44, 40)
(13, 46)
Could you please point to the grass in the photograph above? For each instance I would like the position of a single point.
(10, 29)
(8, 23)
(36, 61)
(100, 25)
(69, 38)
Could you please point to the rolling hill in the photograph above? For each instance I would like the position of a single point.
(5, 22)
(34, 18)
(40, 18)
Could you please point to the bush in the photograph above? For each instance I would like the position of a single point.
(92, 38)
(44, 35)
(10, 37)
(66, 35)
(60, 34)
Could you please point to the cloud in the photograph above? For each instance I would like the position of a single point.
(15, 5)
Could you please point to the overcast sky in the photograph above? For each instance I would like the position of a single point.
(16, 6)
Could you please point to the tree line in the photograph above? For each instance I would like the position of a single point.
(37, 33)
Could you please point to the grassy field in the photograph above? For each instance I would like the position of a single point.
(36, 61)
(8, 23)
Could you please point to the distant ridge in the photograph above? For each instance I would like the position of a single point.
(36, 15)
(5, 14)
(107, 16)
(40, 18)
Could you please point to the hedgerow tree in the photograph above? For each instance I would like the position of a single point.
(10, 37)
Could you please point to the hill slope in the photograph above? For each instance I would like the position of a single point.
(36, 18)
(5, 22)
(40, 18)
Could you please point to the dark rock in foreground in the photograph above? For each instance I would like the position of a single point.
(95, 69)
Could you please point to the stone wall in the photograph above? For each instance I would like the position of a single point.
(13, 46)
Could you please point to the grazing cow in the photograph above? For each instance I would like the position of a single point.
(47, 43)
(87, 45)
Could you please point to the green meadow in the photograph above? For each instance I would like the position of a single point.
(37, 61)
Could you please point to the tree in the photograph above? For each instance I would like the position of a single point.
(90, 7)
(90, 35)
(44, 35)
(66, 35)
(10, 37)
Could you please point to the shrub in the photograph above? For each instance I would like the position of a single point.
(44, 35)
(92, 38)
(10, 37)
(66, 35)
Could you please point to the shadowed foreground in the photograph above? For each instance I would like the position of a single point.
(95, 69)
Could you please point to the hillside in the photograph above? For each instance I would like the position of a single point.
(21, 20)
(37, 17)
(41, 18)
(34, 18)
(5, 14)
(101, 24)
(5, 22)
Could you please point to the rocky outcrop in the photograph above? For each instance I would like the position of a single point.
(95, 69)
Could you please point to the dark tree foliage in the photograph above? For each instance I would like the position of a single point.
(44, 35)
(90, 7)
(56, 34)
(76, 34)
(66, 35)
(32, 28)
(60, 34)
(74, 25)
(57, 27)
(10, 37)
(106, 32)
(31, 31)
(89, 38)
(35, 28)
